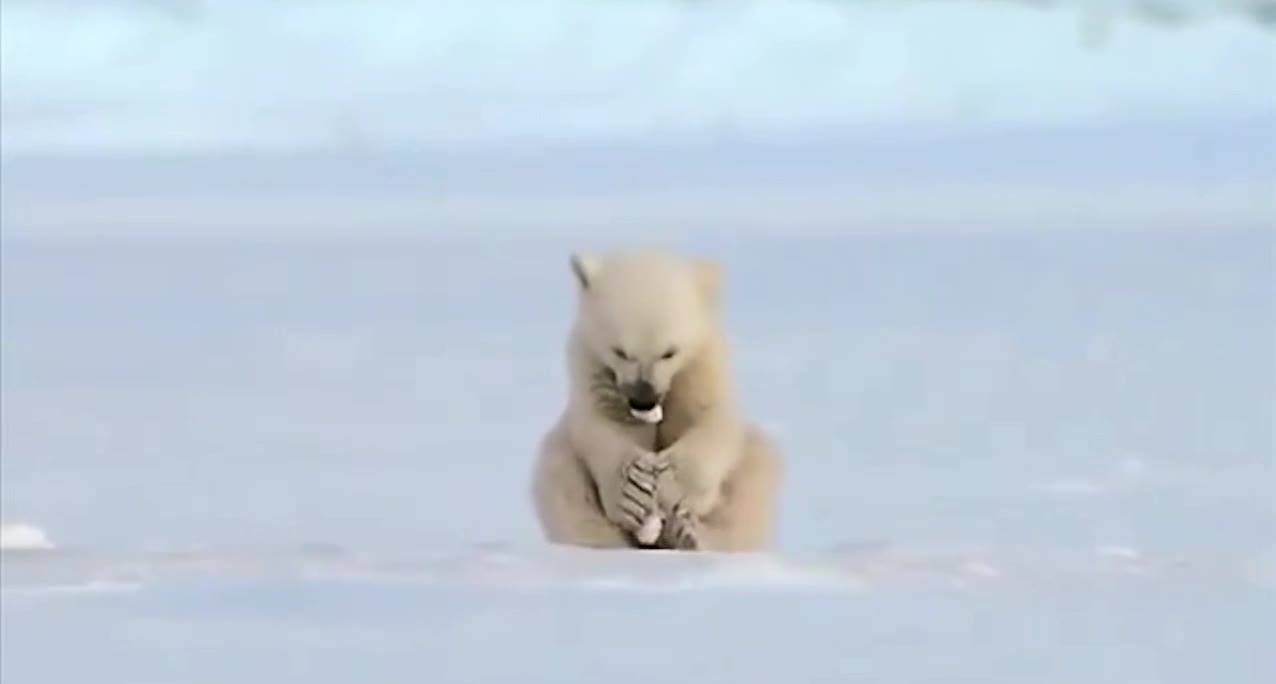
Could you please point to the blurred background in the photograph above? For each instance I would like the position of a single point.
(227, 118)
(278, 276)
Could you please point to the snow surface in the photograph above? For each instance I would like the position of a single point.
(1001, 280)
(1037, 458)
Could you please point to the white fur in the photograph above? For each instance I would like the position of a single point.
(651, 528)
(654, 317)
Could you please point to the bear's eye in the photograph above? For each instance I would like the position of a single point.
(672, 352)
(620, 353)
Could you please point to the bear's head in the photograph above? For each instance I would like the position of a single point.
(645, 316)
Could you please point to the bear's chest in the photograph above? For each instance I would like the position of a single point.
(670, 430)
(660, 436)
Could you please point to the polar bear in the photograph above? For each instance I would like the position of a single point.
(652, 449)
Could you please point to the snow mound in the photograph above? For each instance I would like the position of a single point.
(22, 537)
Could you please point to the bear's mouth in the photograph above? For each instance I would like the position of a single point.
(653, 415)
(644, 401)
(643, 404)
(646, 409)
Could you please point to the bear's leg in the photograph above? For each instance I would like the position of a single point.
(566, 500)
(744, 519)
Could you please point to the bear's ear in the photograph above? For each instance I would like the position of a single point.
(710, 276)
(584, 267)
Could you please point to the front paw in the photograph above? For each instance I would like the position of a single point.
(683, 484)
(639, 508)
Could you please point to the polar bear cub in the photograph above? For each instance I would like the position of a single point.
(652, 449)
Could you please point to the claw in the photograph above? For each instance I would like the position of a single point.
(647, 469)
(635, 513)
(683, 528)
(647, 485)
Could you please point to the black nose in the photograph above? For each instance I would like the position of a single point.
(642, 396)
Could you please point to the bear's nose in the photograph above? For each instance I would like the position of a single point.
(642, 396)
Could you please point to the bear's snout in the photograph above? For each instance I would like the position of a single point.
(642, 396)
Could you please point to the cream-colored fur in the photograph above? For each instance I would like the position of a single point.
(704, 475)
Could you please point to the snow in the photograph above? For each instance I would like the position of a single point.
(1000, 280)
(1029, 458)
(396, 118)
(21, 536)
(517, 615)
